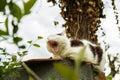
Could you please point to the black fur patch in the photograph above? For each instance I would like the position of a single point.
(100, 53)
(76, 43)
(97, 51)
(93, 49)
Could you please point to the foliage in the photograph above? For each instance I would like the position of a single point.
(28, 5)
(32, 43)
(114, 69)
(17, 14)
(13, 13)
(115, 12)
(11, 62)
(109, 77)
(7, 65)
(67, 71)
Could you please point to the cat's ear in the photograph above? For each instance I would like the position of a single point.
(64, 33)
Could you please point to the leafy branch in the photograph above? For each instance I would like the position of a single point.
(14, 13)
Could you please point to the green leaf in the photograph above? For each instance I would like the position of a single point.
(25, 53)
(6, 25)
(15, 11)
(78, 59)
(40, 37)
(14, 57)
(36, 45)
(79, 56)
(5, 63)
(3, 33)
(1, 49)
(28, 5)
(22, 54)
(2, 22)
(17, 39)
(19, 53)
(4, 50)
(15, 73)
(2, 5)
(29, 42)
(52, 77)
(31, 78)
(15, 27)
(109, 77)
(22, 46)
(66, 72)
(4, 53)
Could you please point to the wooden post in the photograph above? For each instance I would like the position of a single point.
(45, 70)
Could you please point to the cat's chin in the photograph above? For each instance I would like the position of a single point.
(56, 57)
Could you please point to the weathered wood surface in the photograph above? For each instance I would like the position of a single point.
(44, 69)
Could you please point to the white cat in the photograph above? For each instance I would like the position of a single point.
(61, 47)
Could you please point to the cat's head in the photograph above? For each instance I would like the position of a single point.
(56, 43)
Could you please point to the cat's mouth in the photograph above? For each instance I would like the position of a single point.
(53, 45)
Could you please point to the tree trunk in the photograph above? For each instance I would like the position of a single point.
(82, 21)
(82, 18)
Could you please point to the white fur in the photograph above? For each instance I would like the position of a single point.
(63, 46)
(65, 50)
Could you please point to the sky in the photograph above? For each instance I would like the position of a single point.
(42, 20)
(41, 23)
(110, 28)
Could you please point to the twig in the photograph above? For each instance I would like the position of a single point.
(30, 71)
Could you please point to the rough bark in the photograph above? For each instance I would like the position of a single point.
(82, 18)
